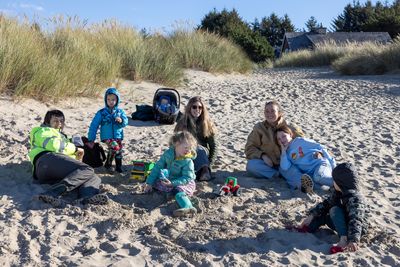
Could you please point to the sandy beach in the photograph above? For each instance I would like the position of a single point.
(357, 118)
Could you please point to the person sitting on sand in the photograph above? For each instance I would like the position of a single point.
(310, 157)
(174, 172)
(263, 153)
(344, 211)
(196, 120)
(56, 161)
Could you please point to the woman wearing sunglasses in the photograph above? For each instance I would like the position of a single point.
(197, 121)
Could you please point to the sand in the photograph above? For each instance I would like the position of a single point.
(357, 118)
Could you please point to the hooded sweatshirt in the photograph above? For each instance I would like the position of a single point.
(105, 119)
(181, 170)
(350, 200)
(303, 153)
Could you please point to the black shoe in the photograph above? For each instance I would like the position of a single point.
(118, 165)
(204, 174)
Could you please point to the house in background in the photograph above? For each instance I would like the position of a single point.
(293, 41)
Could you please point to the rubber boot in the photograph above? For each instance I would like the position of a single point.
(185, 205)
(108, 162)
(118, 165)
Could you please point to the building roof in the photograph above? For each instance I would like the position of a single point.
(305, 40)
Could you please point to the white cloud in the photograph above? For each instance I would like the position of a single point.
(29, 6)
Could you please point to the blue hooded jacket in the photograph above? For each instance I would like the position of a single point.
(105, 118)
(303, 153)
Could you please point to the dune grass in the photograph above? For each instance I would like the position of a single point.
(371, 59)
(351, 59)
(323, 55)
(208, 52)
(75, 59)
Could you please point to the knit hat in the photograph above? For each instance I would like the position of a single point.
(345, 176)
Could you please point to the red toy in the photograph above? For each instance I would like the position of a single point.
(230, 187)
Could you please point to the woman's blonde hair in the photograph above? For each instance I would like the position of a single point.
(182, 136)
(203, 124)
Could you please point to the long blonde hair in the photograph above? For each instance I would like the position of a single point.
(203, 125)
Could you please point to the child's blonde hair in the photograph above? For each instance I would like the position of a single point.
(182, 136)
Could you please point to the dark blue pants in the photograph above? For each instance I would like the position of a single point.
(335, 220)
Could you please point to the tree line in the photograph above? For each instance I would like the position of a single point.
(261, 38)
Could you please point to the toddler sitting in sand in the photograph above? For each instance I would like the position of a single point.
(344, 211)
(179, 179)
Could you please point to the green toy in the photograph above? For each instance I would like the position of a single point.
(141, 169)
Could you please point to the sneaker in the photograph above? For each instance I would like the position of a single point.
(184, 212)
(307, 184)
(99, 199)
(54, 201)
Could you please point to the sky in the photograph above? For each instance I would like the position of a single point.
(164, 15)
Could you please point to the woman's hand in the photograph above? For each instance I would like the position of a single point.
(147, 188)
(79, 153)
(267, 160)
(307, 221)
(118, 119)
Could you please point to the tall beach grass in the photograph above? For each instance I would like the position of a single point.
(76, 59)
(350, 59)
(371, 59)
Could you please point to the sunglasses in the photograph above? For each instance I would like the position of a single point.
(197, 107)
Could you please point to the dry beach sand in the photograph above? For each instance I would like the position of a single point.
(357, 118)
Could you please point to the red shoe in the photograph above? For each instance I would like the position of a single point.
(336, 249)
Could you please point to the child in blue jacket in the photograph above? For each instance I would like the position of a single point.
(111, 119)
(174, 172)
(310, 157)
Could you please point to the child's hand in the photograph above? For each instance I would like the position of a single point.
(307, 221)
(118, 119)
(79, 154)
(166, 182)
(147, 188)
(351, 247)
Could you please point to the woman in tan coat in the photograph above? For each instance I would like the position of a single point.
(262, 151)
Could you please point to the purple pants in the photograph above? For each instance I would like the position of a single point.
(188, 188)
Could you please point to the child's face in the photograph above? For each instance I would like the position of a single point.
(182, 148)
(283, 138)
(271, 113)
(196, 109)
(111, 100)
(164, 101)
(56, 122)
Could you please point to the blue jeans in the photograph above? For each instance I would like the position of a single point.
(323, 174)
(258, 168)
(202, 158)
(335, 220)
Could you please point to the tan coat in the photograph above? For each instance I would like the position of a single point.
(261, 140)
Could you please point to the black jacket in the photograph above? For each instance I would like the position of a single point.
(355, 209)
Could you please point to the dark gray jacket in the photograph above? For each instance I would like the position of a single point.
(355, 208)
